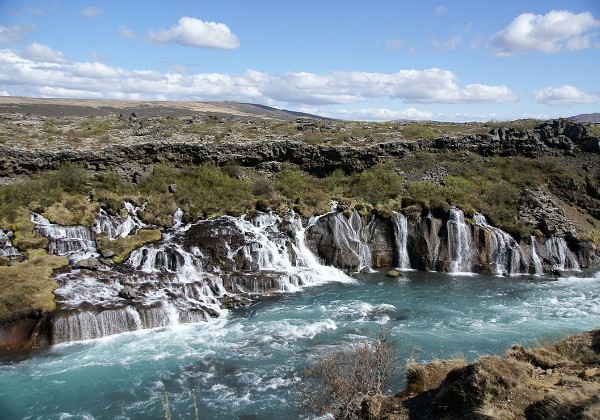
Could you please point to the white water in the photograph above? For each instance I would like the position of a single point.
(75, 242)
(537, 263)
(351, 236)
(245, 365)
(459, 242)
(401, 237)
(503, 252)
(561, 254)
(116, 226)
(173, 285)
(6, 247)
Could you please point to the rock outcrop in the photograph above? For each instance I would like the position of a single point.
(560, 380)
(559, 137)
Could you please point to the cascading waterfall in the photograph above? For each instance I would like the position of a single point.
(195, 268)
(349, 235)
(562, 257)
(166, 283)
(503, 252)
(401, 237)
(6, 247)
(537, 263)
(459, 242)
(75, 242)
(116, 226)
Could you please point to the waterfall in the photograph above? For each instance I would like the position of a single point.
(116, 226)
(75, 242)
(349, 236)
(177, 218)
(459, 242)
(503, 253)
(401, 238)
(561, 255)
(186, 276)
(6, 247)
(537, 263)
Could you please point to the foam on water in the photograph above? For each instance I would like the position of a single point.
(246, 363)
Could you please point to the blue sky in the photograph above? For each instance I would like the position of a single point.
(467, 60)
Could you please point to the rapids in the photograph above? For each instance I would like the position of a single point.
(245, 364)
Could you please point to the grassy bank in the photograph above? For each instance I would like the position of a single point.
(490, 185)
(26, 288)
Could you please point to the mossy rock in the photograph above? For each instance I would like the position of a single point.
(394, 274)
(122, 247)
(26, 288)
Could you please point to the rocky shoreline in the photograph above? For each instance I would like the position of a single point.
(558, 380)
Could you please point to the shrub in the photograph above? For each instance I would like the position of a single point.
(338, 381)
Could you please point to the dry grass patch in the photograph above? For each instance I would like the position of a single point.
(72, 210)
(26, 288)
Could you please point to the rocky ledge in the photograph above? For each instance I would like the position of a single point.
(135, 155)
(555, 381)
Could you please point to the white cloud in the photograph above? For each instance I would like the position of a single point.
(9, 35)
(379, 114)
(556, 31)
(565, 95)
(91, 12)
(125, 32)
(41, 52)
(192, 32)
(26, 74)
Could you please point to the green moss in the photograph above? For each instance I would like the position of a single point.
(26, 288)
(122, 247)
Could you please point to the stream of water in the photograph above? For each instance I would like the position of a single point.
(246, 363)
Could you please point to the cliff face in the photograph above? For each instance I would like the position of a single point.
(549, 139)
(119, 280)
(197, 270)
(449, 244)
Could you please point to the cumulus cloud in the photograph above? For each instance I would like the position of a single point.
(41, 52)
(91, 12)
(12, 34)
(192, 32)
(556, 31)
(565, 95)
(29, 74)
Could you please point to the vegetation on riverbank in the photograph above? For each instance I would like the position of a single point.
(415, 184)
(26, 288)
(551, 380)
(120, 248)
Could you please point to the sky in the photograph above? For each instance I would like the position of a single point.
(446, 60)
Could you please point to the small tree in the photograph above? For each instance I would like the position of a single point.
(338, 381)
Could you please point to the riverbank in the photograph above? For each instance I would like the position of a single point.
(553, 380)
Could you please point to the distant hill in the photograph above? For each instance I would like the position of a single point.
(587, 118)
(56, 107)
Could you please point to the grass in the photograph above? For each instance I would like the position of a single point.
(26, 288)
(122, 247)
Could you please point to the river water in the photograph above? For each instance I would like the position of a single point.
(246, 363)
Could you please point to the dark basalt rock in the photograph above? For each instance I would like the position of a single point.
(559, 136)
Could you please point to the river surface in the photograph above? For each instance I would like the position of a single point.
(245, 364)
